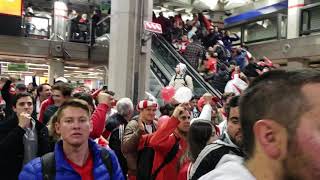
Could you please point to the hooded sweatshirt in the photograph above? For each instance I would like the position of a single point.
(181, 79)
(235, 85)
(230, 167)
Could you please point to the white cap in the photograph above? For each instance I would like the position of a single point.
(62, 79)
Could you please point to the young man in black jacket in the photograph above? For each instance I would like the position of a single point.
(22, 138)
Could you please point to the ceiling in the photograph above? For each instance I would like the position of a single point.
(87, 6)
(201, 5)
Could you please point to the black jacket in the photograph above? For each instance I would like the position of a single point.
(12, 147)
(49, 113)
(113, 126)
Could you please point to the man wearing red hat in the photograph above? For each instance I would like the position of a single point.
(145, 124)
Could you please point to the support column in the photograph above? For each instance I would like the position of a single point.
(56, 65)
(293, 26)
(60, 16)
(128, 65)
(56, 69)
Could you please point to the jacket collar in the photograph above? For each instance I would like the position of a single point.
(63, 165)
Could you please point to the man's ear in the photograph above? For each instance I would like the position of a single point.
(14, 108)
(272, 138)
(57, 127)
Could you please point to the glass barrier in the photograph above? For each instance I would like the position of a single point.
(36, 27)
(310, 19)
(265, 29)
(79, 32)
(272, 27)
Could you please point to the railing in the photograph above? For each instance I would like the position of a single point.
(171, 58)
(89, 32)
(79, 32)
(310, 19)
(36, 26)
(158, 71)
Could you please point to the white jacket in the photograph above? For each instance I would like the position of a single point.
(230, 167)
(235, 85)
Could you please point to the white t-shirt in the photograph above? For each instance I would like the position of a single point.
(149, 128)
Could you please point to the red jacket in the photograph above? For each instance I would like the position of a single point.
(98, 119)
(44, 105)
(184, 171)
(162, 141)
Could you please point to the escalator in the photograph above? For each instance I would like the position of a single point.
(164, 59)
(167, 58)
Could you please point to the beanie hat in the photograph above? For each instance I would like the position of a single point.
(146, 103)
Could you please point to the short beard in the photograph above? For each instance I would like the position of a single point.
(292, 161)
(234, 141)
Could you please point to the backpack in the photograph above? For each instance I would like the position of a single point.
(49, 165)
(184, 79)
(145, 161)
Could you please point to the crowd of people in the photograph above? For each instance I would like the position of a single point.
(210, 51)
(60, 132)
(80, 26)
(267, 128)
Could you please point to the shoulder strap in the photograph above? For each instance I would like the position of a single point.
(184, 78)
(48, 166)
(169, 157)
(237, 88)
(105, 156)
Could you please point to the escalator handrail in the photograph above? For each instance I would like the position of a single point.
(193, 72)
(103, 19)
(168, 78)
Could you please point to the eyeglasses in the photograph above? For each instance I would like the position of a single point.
(185, 117)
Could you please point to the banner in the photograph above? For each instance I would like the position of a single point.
(11, 7)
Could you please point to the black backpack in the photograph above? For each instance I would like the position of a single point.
(49, 165)
(145, 161)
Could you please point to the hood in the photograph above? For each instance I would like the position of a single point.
(182, 67)
(229, 167)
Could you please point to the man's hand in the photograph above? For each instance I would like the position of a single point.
(104, 98)
(24, 119)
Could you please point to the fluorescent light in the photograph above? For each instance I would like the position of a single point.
(71, 67)
(30, 68)
(40, 65)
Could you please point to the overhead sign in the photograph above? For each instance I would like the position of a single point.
(17, 67)
(11, 7)
(152, 27)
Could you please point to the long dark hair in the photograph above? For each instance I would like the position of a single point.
(198, 136)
